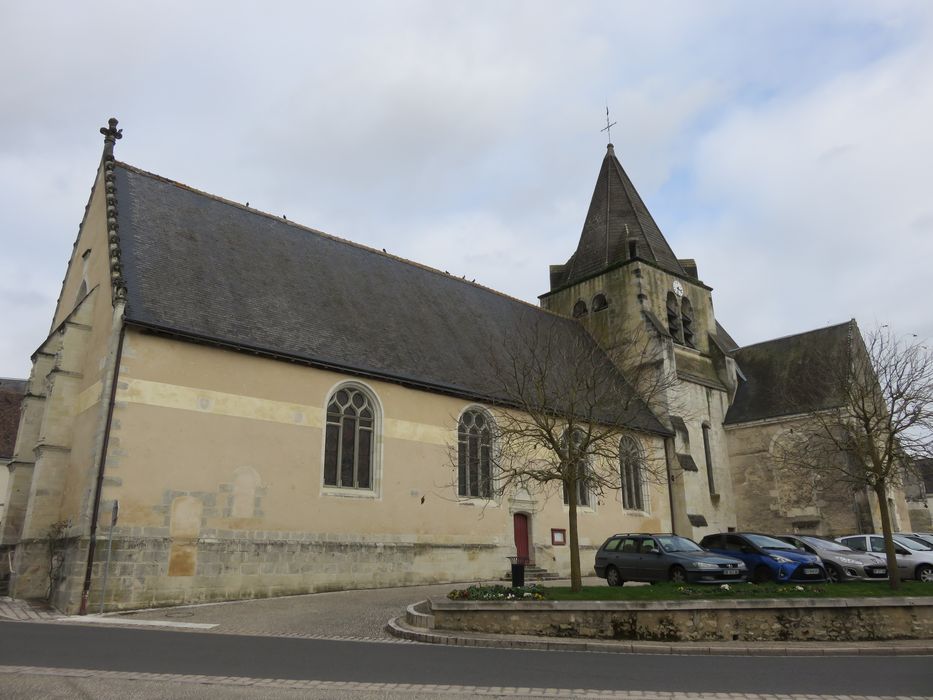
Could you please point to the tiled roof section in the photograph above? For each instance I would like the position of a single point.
(616, 215)
(203, 267)
(12, 392)
(774, 371)
(725, 340)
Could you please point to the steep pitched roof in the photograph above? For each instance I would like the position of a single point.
(205, 268)
(616, 216)
(12, 392)
(774, 369)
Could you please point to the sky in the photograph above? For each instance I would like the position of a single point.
(787, 147)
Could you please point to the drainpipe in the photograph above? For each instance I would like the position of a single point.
(112, 378)
(668, 458)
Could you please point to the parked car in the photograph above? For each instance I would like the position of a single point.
(914, 560)
(650, 557)
(842, 563)
(767, 558)
(922, 537)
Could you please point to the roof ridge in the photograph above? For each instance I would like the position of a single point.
(329, 236)
(794, 335)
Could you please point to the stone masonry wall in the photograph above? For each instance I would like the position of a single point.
(765, 620)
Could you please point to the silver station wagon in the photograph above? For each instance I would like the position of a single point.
(649, 557)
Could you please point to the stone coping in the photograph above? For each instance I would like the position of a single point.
(718, 604)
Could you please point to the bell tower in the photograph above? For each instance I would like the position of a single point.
(624, 282)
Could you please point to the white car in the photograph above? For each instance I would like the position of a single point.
(914, 560)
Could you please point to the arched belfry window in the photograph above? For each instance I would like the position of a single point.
(686, 319)
(350, 438)
(632, 473)
(673, 318)
(474, 454)
(600, 302)
(581, 469)
(579, 309)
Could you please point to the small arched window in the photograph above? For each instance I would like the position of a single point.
(474, 454)
(349, 440)
(686, 317)
(579, 309)
(580, 471)
(632, 473)
(600, 302)
(673, 318)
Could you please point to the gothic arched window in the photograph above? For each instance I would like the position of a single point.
(673, 317)
(686, 317)
(600, 302)
(474, 454)
(579, 309)
(631, 468)
(349, 440)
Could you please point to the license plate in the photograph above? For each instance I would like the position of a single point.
(880, 572)
(811, 571)
(730, 572)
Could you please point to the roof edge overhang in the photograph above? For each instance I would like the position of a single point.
(623, 263)
(409, 382)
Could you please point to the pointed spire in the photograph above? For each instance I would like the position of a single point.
(618, 227)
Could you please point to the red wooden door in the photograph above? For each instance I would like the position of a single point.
(521, 537)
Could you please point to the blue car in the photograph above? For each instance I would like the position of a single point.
(767, 558)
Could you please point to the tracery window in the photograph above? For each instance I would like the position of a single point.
(686, 317)
(582, 475)
(474, 454)
(673, 318)
(631, 467)
(349, 440)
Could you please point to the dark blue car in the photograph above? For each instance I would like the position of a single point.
(767, 558)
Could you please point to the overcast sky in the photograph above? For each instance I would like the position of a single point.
(786, 146)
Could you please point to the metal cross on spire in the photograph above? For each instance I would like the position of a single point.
(608, 125)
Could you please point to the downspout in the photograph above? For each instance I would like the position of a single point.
(99, 485)
(668, 459)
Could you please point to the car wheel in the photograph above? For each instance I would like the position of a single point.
(678, 574)
(834, 574)
(925, 573)
(613, 578)
(762, 574)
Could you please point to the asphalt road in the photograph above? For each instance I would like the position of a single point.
(157, 651)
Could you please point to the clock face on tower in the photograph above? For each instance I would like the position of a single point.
(678, 288)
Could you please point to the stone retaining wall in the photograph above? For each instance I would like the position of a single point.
(836, 619)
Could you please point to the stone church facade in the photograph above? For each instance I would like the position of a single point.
(251, 393)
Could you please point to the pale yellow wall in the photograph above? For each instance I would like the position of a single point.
(189, 419)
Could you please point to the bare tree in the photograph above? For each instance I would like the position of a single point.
(563, 409)
(869, 416)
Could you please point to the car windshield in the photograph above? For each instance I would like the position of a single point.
(673, 543)
(912, 544)
(828, 545)
(769, 542)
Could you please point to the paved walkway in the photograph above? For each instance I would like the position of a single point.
(24, 611)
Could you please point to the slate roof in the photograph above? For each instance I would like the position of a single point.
(204, 268)
(616, 215)
(12, 392)
(774, 370)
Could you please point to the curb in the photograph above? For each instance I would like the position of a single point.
(409, 627)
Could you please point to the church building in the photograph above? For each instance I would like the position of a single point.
(232, 405)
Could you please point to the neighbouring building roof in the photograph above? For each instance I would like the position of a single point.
(12, 392)
(617, 215)
(773, 371)
(208, 269)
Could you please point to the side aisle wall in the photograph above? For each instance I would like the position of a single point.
(216, 460)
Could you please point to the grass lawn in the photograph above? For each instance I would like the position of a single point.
(672, 591)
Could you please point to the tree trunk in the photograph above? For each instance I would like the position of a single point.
(894, 574)
(576, 581)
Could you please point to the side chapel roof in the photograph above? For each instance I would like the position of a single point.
(616, 216)
(774, 369)
(208, 269)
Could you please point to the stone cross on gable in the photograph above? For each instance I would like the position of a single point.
(111, 133)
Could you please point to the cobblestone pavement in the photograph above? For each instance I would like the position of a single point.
(30, 682)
